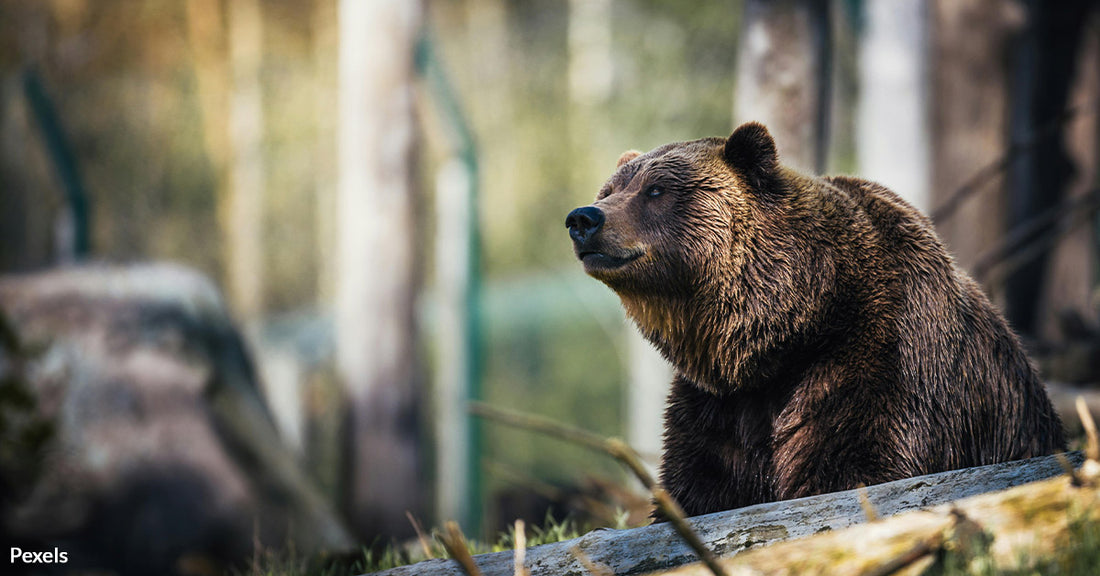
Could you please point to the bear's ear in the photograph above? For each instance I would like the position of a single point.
(750, 151)
(627, 157)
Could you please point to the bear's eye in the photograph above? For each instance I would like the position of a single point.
(653, 191)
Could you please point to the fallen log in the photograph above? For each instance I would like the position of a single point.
(1009, 530)
(657, 547)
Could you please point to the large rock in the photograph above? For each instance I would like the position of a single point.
(164, 457)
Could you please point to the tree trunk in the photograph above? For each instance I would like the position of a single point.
(1049, 59)
(783, 77)
(454, 354)
(376, 272)
(246, 171)
(969, 118)
(892, 141)
(325, 49)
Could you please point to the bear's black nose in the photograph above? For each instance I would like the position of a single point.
(584, 222)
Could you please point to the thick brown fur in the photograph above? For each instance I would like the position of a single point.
(822, 335)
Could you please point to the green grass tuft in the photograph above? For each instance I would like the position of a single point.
(367, 560)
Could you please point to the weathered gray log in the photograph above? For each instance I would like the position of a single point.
(641, 550)
(1011, 531)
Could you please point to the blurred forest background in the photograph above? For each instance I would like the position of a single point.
(378, 189)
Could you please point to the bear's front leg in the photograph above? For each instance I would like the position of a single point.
(717, 449)
(838, 435)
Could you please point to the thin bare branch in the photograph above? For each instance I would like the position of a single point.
(1026, 241)
(676, 517)
(626, 454)
(539, 424)
(990, 171)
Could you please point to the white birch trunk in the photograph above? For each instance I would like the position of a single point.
(892, 123)
(376, 272)
(245, 253)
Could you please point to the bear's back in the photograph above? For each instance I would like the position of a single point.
(899, 226)
(954, 344)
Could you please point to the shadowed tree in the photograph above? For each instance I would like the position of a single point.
(969, 116)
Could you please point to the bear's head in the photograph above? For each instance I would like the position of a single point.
(697, 239)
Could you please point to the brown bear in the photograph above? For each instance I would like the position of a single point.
(822, 335)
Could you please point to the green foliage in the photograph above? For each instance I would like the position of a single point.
(553, 532)
(289, 563)
(24, 432)
(550, 532)
(571, 373)
(373, 559)
(1080, 554)
(544, 150)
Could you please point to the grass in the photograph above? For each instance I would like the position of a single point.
(373, 559)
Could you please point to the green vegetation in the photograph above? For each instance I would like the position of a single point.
(544, 151)
(366, 560)
(24, 432)
(1077, 555)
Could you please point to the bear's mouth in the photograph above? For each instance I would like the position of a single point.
(600, 261)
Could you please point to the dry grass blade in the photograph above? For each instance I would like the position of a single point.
(593, 568)
(1067, 466)
(865, 503)
(1092, 449)
(420, 536)
(455, 544)
(520, 553)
